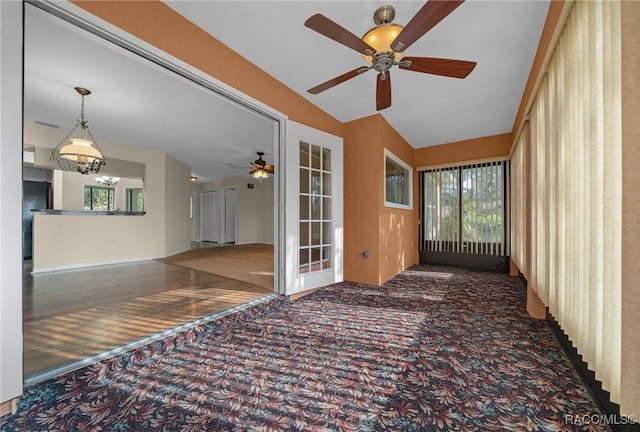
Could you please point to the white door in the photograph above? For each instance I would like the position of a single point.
(314, 197)
(230, 215)
(209, 216)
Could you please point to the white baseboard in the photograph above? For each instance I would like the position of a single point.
(254, 242)
(89, 265)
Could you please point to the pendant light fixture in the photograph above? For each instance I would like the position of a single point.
(78, 150)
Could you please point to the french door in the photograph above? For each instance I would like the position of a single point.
(313, 220)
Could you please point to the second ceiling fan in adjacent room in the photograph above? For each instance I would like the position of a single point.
(261, 167)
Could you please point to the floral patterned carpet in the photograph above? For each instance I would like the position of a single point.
(435, 348)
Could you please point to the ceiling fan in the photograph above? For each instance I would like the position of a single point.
(383, 45)
(262, 168)
(259, 165)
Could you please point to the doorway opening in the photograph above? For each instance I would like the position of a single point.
(40, 342)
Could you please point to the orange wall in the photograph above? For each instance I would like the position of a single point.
(398, 227)
(462, 151)
(159, 25)
(362, 166)
(390, 235)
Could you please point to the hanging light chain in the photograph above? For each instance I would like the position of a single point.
(82, 122)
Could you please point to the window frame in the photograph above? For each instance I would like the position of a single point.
(396, 160)
(462, 244)
(128, 201)
(92, 187)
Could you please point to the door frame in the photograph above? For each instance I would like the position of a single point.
(11, 153)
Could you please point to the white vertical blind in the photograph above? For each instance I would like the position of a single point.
(574, 187)
(519, 251)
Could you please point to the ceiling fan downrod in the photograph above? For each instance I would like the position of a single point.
(384, 15)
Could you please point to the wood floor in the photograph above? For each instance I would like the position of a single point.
(250, 263)
(72, 315)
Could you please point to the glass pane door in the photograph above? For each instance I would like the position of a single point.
(315, 221)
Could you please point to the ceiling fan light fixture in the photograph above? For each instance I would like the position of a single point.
(260, 174)
(381, 37)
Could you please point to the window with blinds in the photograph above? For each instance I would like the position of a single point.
(464, 209)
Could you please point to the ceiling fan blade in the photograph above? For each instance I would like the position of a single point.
(337, 80)
(439, 66)
(427, 17)
(383, 91)
(335, 31)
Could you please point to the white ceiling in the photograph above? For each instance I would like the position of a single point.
(501, 36)
(135, 102)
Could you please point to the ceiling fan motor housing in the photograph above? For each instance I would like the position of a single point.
(383, 62)
(260, 161)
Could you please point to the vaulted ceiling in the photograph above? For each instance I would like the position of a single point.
(501, 36)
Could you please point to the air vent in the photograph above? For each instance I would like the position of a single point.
(41, 123)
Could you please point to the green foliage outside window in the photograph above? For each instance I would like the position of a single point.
(135, 200)
(464, 204)
(98, 198)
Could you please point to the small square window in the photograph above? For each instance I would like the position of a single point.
(398, 182)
